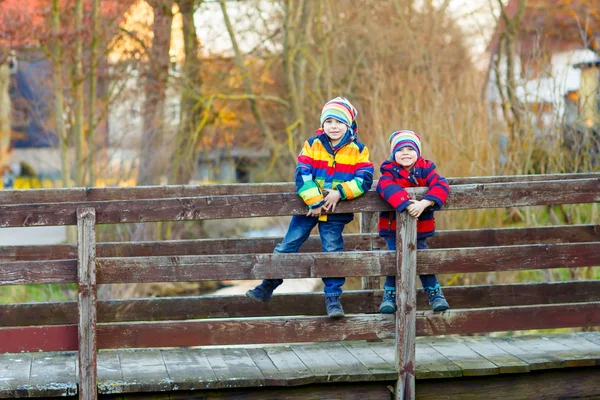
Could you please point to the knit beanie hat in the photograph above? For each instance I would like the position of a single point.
(402, 139)
(342, 110)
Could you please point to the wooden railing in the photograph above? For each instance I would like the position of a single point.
(89, 324)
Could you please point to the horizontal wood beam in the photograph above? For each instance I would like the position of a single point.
(303, 265)
(299, 329)
(352, 242)
(234, 306)
(482, 320)
(83, 194)
(472, 196)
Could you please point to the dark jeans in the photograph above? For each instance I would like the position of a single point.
(331, 240)
(428, 281)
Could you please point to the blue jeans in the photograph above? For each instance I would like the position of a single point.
(331, 240)
(428, 281)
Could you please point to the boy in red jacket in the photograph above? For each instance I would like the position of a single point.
(406, 168)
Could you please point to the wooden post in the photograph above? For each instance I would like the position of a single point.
(368, 224)
(86, 280)
(406, 270)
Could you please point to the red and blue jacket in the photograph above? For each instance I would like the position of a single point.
(345, 168)
(391, 186)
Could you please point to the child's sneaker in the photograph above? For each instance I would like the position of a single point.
(334, 307)
(437, 301)
(388, 304)
(264, 291)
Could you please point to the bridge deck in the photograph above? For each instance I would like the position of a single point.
(168, 370)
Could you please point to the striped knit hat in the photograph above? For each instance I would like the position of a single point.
(342, 110)
(402, 139)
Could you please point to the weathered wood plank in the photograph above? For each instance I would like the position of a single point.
(243, 331)
(570, 357)
(290, 366)
(192, 307)
(574, 383)
(532, 355)
(144, 371)
(110, 376)
(38, 338)
(517, 294)
(86, 284)
(53, 375)
(234, 368)
(507, 363)
(509, 319)
(514, 236)
(314, 265)
(27, 272)
(352, 242)
(581, 349)
(272, 376)
(82, 194)
(437, 365)
(14, 375)
(320, 363)
(233, 306)
(372, 361)
(387, 351)
(240, 206)
(593, 337)
(189, 369)
(251, 266)
(347, 391)
(352, 367)
(508, 258)
(471, 362)
(406, 273)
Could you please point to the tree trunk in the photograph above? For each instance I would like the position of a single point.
(184, 155)
(152, 159)
(92, 125)
(157, 74)
(78, 128)
(59, 100)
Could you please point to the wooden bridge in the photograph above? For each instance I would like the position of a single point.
(229, 347)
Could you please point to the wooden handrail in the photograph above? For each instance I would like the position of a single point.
(494, 195)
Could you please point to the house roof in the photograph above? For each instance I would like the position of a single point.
(553, 25)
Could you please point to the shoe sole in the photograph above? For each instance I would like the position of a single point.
(336, 315)
(440, 308)
(250, 295)
(387, 310)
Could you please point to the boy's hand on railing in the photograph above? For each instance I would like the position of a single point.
(314, 212)
(417, 207)
(331, 199)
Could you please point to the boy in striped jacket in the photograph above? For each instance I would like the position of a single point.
(406, 168)
(332, 166)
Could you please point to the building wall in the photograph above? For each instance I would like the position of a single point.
(549, 85)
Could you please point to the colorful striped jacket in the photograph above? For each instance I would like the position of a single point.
(394, 178)
(346, 168)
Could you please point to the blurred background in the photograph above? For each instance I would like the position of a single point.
(155, 92)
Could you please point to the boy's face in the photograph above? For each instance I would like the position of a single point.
(406, 157)
(335, 130)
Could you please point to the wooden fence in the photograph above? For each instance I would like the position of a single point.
(88, 325)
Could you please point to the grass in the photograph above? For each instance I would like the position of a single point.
(37, 293)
